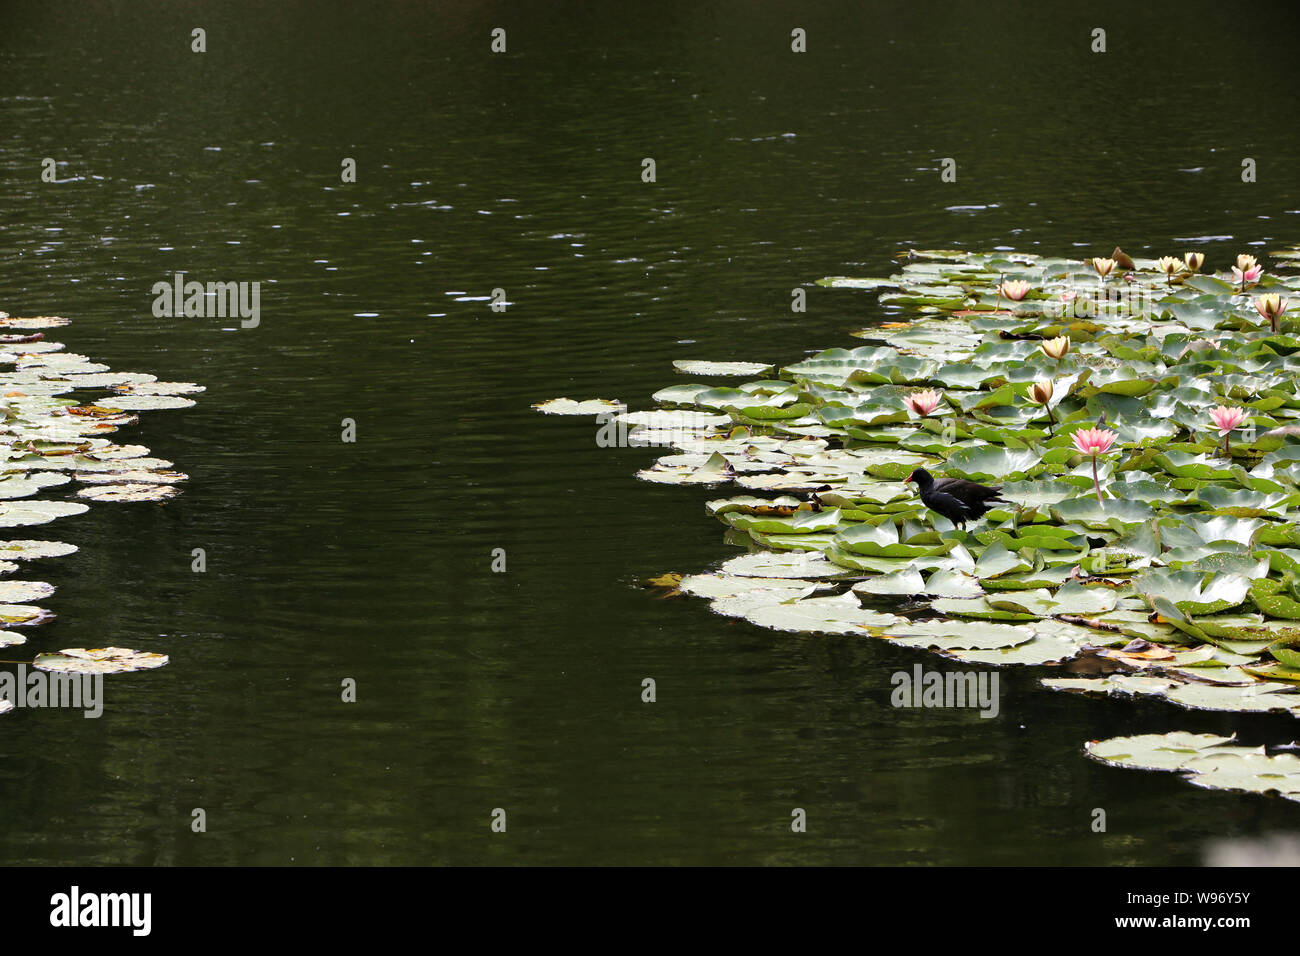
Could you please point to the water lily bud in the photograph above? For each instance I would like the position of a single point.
(1056, 348)
(1270, 306)
(1169, 265)
(1245, 262)
(1016, 289)
(1194, 260)
(1103, 266)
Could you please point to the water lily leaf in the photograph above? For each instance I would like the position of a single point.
(1194, 592)
(1171, 751)
(129, 492)
(23, 614)
(1272, 672)
(829, 615)
(1111, 512)
(1268, 598)
(990, 462)
(1037, 494)
(1121, 685)
(672, 420)
(763, 564)
(1253, 699)
(1287, 784)
(1258, 504)
(847, 282)
(960, 635)
(906, 581)
(692, 367)
(952, 584)
(980, 608)
(34, 322)
(745, 602)
(883, 541)
(25, 485)
(37, 512)
(19, 592)
(589, 406)
(1043, 649)
(130, 476)
(157, 388)
(134, 403)
(99, 660)
(1072, 598)
(715, 468)
(1219, 528)
(996, 561)
(28, 550)
(1183, 465)
(802, 522)
(867, 414)
(815, 541)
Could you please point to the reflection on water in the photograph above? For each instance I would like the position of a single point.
(370, 560)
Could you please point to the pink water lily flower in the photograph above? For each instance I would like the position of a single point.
(1015, 289)
(1251, 275)
(1226, 419)
(1094, 442)
(923, 403)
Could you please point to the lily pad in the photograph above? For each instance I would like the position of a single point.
(99, 660)
(588, 406)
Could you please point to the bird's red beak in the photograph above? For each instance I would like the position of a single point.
(909, 477)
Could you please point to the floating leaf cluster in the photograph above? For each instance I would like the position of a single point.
(1204, 760)
(1141, 416)
(57, 410)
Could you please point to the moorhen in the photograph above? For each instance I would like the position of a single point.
(956, 499)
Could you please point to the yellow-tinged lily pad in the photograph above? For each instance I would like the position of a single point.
(129, 492)
(99, 660)
(30, 550)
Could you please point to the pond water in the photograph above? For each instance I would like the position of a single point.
(372, 560)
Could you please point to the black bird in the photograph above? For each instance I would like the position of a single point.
(956, 499)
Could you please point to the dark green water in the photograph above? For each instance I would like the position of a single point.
(372, 560)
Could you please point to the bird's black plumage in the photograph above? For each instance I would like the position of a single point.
(956, 499)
